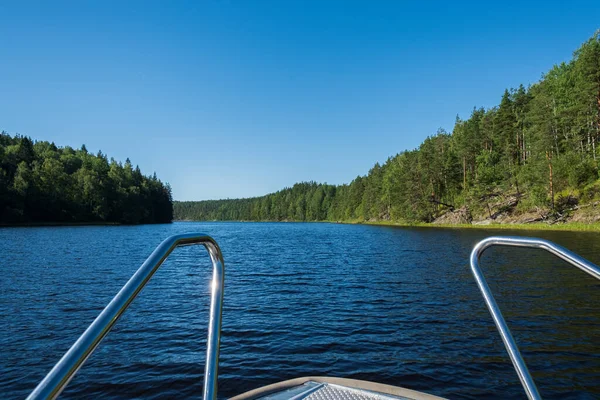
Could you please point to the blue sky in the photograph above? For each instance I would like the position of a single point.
(228, 99)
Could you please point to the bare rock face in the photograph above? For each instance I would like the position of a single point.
(458, 216)
(501, 208)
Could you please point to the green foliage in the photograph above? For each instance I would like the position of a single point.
(591, 191)
(40, 182)
(539, 141)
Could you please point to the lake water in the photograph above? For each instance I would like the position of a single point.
(392, 305)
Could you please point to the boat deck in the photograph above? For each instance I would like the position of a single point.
(327, 388)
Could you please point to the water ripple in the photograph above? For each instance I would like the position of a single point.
(396, 306)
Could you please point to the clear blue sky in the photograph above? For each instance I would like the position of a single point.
(242, 98)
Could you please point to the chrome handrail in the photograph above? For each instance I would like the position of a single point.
(60, 375)
(509, 342)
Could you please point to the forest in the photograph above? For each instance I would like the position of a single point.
(43, 183)
(538, 149)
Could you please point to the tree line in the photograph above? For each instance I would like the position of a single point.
(541, 143)
(40, 182)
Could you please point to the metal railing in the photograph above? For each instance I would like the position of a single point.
(509, 342)
(60, 375)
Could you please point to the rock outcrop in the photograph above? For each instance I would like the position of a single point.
(458, 216)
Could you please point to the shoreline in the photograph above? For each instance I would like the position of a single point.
(58, 224)
(535, 226)
(42, 224)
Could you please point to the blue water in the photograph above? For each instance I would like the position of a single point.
(391, 305)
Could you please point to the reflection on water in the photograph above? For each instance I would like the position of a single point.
(391, 305)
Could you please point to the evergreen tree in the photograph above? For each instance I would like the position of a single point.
(40, 182)
(539, 142)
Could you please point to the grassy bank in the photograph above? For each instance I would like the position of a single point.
(538, 226)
